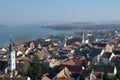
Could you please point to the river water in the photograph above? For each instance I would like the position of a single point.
(33, 31)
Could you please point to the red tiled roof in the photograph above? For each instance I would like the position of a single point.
(115, 59)
(72, 62)
(63, 78)
(40, 55)
(3, 65)
(21, 48)
(45, 78)
(73, 69)
(95, 52)
(103, 68)
(97, 75)
(22, 59)
(5, 76)
(106, 55)
(99, 44)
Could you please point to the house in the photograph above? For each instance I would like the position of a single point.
(74, 40)
(20, 50)
(73, 69)
(64, 52)
(42, 54)
(3, 70)
(4, 76)
(104, 68)
(73, 62)
(101, 69)
(106, 57)
(22, 65)
(64, 74)
(45, 77)
(108, 48)
(116, 60)
(19, 53)
(54, 62)
(62, 78)
(85, 48)
(116, 51)
(99, 45)
(96, 76)
(95, 54)
(32, 45)
(3, 66)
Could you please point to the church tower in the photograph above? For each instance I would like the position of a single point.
(66, 39)
(11, 58)
(83, 38)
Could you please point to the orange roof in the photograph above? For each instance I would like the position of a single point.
(23, 59)
(63, 78)
(21, 48)
(45, 78)
(64, 73)
(5, 76)
(115, 59)
(72, 62)
(106, 55)
(73, 69)
(97, 75)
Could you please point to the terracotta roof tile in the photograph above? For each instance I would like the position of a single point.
(73, 69)
(72, 62)
(45, 78)
(106, 55)
(97, 75)
(95, 52)
(99, 44)
(116, 59)
(103, 68)
(3, 65)
(62, 78)
(21, 48)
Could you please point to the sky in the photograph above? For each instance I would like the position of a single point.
(36, 11)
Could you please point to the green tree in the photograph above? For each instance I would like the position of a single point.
(105, 76)
(84, 64)
(77, 33)
(117, 76)
(22, 39)
(36, 69)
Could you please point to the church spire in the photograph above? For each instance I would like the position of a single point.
(11, 58)
(66, 39)
(83, 37)
(11, 43)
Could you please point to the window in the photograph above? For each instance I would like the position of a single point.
(8, 64)
(13, 64)
(9, 56)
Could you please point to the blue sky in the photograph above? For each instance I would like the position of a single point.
(35, 11)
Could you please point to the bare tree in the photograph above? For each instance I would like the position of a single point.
(20, 40)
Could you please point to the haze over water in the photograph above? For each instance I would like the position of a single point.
(30, 12)
(33, 31)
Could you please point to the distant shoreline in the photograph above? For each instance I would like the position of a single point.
(83, 27)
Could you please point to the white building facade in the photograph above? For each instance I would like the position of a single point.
(11, 61)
